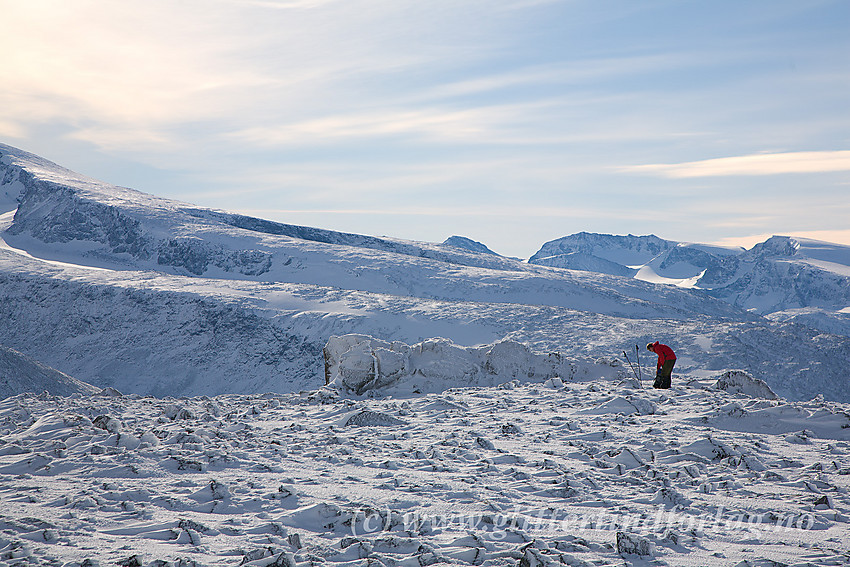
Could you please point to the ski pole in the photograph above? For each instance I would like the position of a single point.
(640, 369)
(632, 367)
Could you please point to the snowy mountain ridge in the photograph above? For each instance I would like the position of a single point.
(20, 373)
(100, 225)
(787, 278)
(57, 206)
(153, 296)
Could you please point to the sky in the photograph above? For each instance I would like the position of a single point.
(511, 122)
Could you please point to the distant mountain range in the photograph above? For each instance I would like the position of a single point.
(784, 278)
(152, 296)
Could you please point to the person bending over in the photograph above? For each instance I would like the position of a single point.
(666, 360)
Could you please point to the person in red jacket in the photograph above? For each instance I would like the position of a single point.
(666, 360)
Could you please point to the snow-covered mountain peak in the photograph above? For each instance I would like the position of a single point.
(784, 276)
(776, 246)
(467, 244)
(123, 229)
(120, 227)
(40, 167)
(629, 250)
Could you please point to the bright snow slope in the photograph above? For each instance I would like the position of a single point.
(119, 288)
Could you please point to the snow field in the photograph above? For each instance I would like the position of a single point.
(577, 473)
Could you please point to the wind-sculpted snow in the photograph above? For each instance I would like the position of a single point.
(359, 364)
(586, 472)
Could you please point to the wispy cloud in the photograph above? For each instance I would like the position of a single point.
(586, 72)
(431, 122)
(116, 74)
(754, 164)
(100, 66)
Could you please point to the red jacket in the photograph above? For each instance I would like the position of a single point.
(664, 353)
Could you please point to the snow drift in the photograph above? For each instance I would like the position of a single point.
(488, 477)
(740, 382)
(360, 364)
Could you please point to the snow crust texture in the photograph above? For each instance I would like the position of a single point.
(595, 472)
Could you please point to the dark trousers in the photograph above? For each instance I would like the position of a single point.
(663, 376)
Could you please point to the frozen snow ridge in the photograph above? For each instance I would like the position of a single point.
(360, 364)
